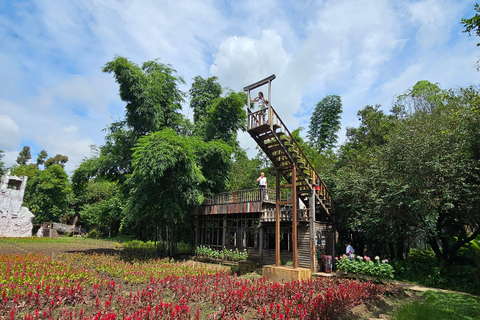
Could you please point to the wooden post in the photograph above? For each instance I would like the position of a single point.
(277, 219)
(294, 215)
(260, 245)
(312, 204)
(249, 125)
(270, 113)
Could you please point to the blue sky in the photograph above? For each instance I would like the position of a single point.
(54, 96)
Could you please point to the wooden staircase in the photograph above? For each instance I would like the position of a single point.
(273, 137)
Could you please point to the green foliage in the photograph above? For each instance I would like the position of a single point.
(214, 160)
(422, 267)
(403, 177)
(366, 266)
(2, 164)
(151, 93)
(325, 123)
(24, 155)
(224, 254)
(48, 194)
(58, 159)
(202, 93)
(224, 118)
(166, 180)
(136, 244)
(473, 24)
(102, 207)
(424, 96)
(244, 171)
(440, 305)
(42, 155)
(22, 170)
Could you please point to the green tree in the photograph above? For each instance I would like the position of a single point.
(58, 159)
(42, 155)
(214, 160)
(325, 123)
(202, 93)
(402, 178)
(24, 155)
(244, 171)
(152, 101)
(472, 25)
(356, 182)
(22, 170)
(48, 194)
(224, 118)
(424, 96)
(151, 93)
(2, 164)
(165, 183)
(102, 207)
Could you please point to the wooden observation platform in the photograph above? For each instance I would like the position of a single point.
(293, 219)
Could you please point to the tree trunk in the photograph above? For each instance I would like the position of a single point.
(400, 249)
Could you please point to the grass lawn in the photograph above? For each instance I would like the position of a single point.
(440, 305)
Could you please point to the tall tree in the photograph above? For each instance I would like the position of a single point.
(24, 155)
(424, 96)
(202, 93)
(151, 93)
(325, 123)
(165, 181)
(152, 101)
(42, 155)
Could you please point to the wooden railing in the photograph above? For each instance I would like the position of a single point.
(285, 214)
(248, 195)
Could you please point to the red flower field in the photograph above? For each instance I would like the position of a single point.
(81, 286)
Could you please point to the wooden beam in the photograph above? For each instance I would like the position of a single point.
(259, 83)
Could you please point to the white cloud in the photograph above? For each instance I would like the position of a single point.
(436, 19)
(9, 132)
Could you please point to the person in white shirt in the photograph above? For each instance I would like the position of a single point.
(349, 251)
(262, 184)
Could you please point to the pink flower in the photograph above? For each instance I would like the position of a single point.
(367, 258)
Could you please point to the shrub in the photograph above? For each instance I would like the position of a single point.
(94, 234)
(422, 267)
(365, 266)
(225, 254)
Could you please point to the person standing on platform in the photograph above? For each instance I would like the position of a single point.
(262, 185)
(262, 105)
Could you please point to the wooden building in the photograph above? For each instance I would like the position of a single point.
(292, 222)
(241, 220)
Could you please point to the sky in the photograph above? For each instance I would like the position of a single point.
(54, 95)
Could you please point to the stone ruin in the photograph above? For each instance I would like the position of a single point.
(15, 220)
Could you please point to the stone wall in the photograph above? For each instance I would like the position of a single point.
(15, 220)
